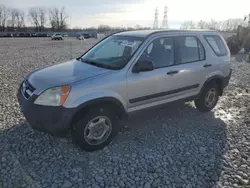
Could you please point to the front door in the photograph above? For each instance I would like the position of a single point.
(146, 88)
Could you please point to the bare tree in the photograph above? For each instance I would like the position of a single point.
(188, 25)
(21, 19)
(58, 18)
(34, 17)
(18, 18)
(42, 18)
(202, 24)
(4, 14)
(213, 25)
(103, 28)
(13, 16)
(1, 17)
(231, 25)
(63, 17)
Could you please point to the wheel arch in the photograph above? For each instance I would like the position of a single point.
(102, 101)
(218, 80)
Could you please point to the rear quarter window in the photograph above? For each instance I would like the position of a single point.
(217, 44)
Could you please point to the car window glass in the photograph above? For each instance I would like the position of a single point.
(217, 45)
(201, 51)
(134, 47)
(113, 52)
(188, 50)
(160, 52)
(112, 47)
(190, 42)
(149, 49)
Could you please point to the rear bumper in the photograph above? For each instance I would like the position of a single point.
(53, 120)
(225, 80)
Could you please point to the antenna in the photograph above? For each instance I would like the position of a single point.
(156, 19)
(165, 18)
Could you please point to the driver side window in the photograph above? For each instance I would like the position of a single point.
(160, 51)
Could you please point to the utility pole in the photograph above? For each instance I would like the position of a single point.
(249, 20)
(155, 26)
(165, 18)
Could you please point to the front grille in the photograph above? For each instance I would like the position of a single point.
(29, 86)
(27, 89)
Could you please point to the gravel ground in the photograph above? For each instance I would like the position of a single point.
(155, 148)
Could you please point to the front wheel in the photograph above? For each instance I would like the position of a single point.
(208, 98)
(95, 129)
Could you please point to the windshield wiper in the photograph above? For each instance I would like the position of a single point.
(96, 63)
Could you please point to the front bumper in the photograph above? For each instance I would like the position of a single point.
(53, 120)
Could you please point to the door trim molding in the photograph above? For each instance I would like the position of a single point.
(161, 94)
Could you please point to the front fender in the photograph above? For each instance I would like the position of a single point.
(95, 96)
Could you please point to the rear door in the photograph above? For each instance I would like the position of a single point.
(189, 70)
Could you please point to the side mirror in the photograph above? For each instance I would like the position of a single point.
(143, 66)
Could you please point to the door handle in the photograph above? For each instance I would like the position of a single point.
(207, 65)
(172, 72)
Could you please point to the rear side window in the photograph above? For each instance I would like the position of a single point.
(189, 49)
(217, 45)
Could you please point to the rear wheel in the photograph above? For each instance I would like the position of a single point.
(96, 129)
(208, 98)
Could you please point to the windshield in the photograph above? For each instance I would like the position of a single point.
(113, 52)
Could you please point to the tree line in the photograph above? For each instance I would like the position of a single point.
(229, 25)
(39, 17)
(55, 19)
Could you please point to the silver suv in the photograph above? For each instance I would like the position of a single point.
(123, 73)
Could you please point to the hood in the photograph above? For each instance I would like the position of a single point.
(64, 73)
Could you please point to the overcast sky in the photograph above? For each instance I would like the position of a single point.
(86, 13)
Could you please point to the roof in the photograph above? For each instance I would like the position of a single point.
(146, 33)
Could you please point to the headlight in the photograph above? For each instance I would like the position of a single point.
(54, 96)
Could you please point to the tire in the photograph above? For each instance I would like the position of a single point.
(201, 103)
(80, 130)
